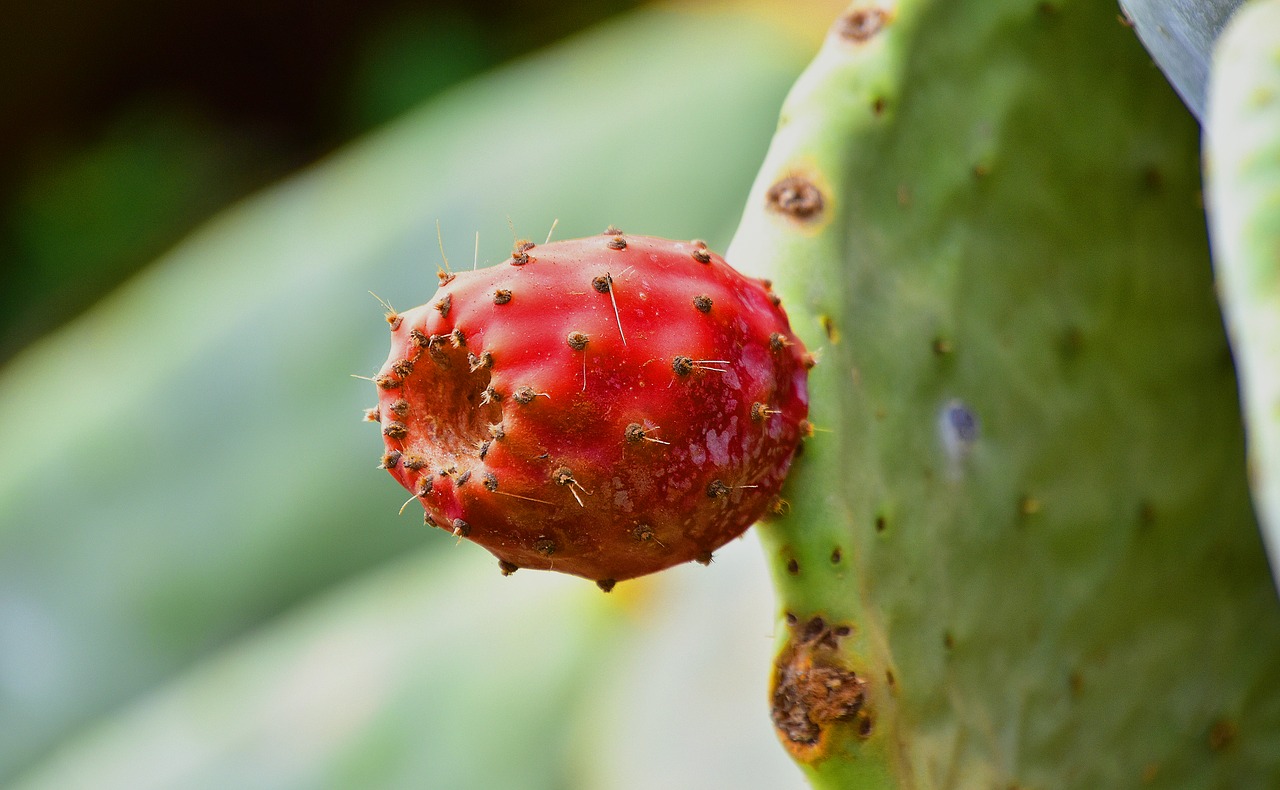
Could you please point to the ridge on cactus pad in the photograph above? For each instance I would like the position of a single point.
(605, 407)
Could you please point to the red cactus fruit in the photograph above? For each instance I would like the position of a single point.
(605, 407)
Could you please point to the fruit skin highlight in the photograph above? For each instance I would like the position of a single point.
(605, 407)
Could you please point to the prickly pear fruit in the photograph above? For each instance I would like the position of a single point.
(605, 407)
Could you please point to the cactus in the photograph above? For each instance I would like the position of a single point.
(1242, 160)
(1024, 555)
(605, 407)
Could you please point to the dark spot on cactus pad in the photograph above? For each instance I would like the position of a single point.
(793, 566)
(395, 430)
(778, 341)
(606, 585)
(948, 641)
(1146, 514)
(484, 451)
(424, 485)
(634, 432)
(617, 243)
(861, 24)
(577, 341)
(829, 327)
(890, 678)
(501, 296)
(419, 338)
(877, 106)
(836, 556)
(701, 255)
(881, 523)
(372, 415)
(562, 476)
(864, 723)
(1075, 682)
(1222, 734)
(390, 459)
(942, 346)
(414, 462)
(443, 304)
(399, 407)
(507, 568)
(643, 533)
(490, 481)
(961, 421)
(704, 558)
(463, 478)
(791, 619)
(813, 693)
(1152, 178)
(958, 431)
(461, 528)
(683, 366)
(524, 395)
(386, 382)
(457, 339)
(1071, 343)
(796, 197)
(717, 489)
(703, 303)
(602, 283)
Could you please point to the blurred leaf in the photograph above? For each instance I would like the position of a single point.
(427, 674)
(411, 58)
(85, 221)
(186, 460)
(390, 683)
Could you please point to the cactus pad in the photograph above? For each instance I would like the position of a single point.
(1024, 556)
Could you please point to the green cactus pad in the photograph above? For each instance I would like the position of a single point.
(1020, 550)
(1242, 159)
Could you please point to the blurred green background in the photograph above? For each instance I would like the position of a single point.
(125, 122)
(203, 579)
